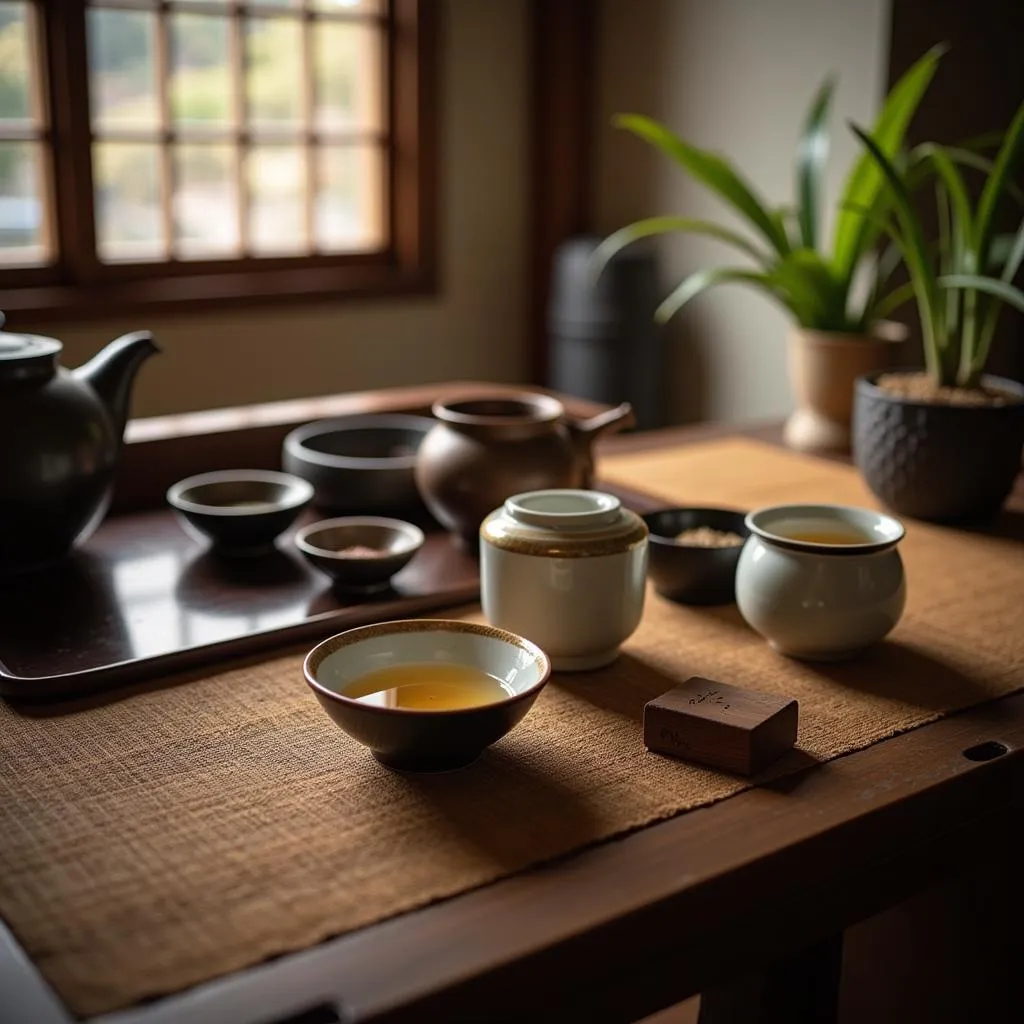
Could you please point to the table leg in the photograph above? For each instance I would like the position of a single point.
(800, 989)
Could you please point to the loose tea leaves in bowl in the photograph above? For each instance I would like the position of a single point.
(361, 551)
(706, 537)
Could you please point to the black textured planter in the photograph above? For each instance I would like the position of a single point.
(945, 463)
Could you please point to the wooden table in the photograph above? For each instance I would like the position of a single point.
(745, 901)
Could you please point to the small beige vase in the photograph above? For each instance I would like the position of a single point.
(823, 366)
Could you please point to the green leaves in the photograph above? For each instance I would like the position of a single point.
(811, 158)
(1005, 168)
(854, 235)
(910, 239)
(791, 268)
(711, 170)
(702, 280)
(618, 240)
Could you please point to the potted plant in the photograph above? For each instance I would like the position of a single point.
(838, 334)
(945, 443)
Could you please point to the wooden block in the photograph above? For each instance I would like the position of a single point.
(719, 725)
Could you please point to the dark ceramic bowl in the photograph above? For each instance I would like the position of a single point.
(242, 511)
(689, 574)
(421, 740)
(359, 464)
(325, 545)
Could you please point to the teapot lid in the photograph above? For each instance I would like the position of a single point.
(16, 349)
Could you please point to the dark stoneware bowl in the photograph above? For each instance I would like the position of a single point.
(418, 740)
(689, 574)
(359, 464)
(242, 511)
(327, 545)
(945, 463)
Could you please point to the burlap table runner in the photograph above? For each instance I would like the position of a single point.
(177, 834)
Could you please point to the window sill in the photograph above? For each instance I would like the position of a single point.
(246, 288)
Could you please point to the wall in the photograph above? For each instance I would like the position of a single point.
(734, 76)
(475, 326)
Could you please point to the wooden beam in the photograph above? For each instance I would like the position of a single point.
(562, 37)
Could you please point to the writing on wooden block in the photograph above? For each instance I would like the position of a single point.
(720, 725)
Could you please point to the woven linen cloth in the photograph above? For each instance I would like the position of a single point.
(170, 835)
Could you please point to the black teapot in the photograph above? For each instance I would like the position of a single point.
(60, 435)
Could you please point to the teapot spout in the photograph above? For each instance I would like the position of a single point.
(111, 373)
(585, 432)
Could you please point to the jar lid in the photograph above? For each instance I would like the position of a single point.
(17, 349)
(561, 523)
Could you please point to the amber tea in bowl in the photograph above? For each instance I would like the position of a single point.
(426, 694)
(821, 582)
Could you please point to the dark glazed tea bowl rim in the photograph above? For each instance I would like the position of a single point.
(298, 493)
(848, 514)
(662, 540)
(311, 663)
(867, 384)
(295, 443)
(542, 409)
(412, 534)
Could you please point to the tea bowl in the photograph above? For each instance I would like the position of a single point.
(416, 740)
(242, 511)
(566, 569)
(359, 464)
(329, 546)
(691, 574)
(821, 601)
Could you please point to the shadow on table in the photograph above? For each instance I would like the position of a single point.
(894, 671)
(623, 687)
(512, 812)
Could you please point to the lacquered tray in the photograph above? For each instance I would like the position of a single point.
(142, 598)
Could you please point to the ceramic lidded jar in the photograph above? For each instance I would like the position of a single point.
(566, 569)
(486, 448)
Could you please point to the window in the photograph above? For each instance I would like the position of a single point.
(155, 152)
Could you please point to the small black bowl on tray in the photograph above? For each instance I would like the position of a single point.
(360, 553)
(241, 511)
(693, 553)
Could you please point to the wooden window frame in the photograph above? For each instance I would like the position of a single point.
(78, 287)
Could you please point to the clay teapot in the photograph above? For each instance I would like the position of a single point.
(484, 449)
(61, 435)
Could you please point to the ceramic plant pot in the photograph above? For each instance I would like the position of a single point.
(823, 367)
(945, 463)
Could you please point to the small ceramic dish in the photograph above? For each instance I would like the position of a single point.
(360, 553)
(414, 739)
(242, 511)
(694, 573)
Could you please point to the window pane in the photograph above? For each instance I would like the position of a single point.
(205, 201)
(348, 75)
(129, 225)
(350, 204)
(276, 176)
(16, 58)
(274, 79)
(121, 66)
(349, 6)
(201, 79)
(22, 208)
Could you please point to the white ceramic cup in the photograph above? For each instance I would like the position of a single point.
(821, 601)
(565, 569)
